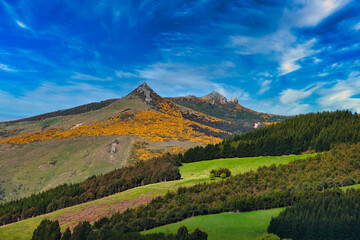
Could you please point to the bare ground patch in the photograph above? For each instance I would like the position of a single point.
(93, 213)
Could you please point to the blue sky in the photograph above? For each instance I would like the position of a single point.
(282, 57)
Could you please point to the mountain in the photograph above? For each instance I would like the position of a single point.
(214, 104)
(68, 146)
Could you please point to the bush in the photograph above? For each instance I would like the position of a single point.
(218, 172)
(212, 176)
(223, 176)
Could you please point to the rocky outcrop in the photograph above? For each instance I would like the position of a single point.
(234, 100)
(215, 97)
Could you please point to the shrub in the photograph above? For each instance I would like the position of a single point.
(223, 175)
(212, 176)
(218, 172)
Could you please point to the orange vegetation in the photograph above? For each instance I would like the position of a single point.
(150, 125)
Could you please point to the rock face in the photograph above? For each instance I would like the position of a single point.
(234, 100)
(215, 97)
(144, 92)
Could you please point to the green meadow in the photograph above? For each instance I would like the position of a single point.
(244, 226)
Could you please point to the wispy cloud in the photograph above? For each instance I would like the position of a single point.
(50, 97)
(282, 44)
(291, 56)
(87, 77)
(6, 68)
(265, 86)
(21, 24)
(293, 95)
(343, 95)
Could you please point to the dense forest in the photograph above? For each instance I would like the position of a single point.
(268, 187)
(331, 215)
(50, 230)
(313, 131)
(164, 168)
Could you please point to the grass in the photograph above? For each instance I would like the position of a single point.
(201, 170)
(192, 173)
(245, 226)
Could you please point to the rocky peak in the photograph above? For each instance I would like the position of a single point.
(144, 92)
(234, 100)
(215, 97)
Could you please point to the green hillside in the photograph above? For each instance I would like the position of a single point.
(298, 134)
(192, 173)
(230, 226)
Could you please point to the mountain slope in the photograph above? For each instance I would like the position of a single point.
(40, 154)
(216, 105)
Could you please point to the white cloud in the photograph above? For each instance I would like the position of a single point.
(342, 95)
(313, 12)
(282, 45)
(357, 26)
(21, 24)
(293, 95)
(6, 68)
(265, 86)
(122, 74)
(86, 77)
(291, 56)
(323, 74)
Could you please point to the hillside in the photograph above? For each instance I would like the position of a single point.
(71, 145)
(191, 173)
(216, 105)
(308, 132)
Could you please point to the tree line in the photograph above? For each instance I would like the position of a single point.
(331, 215)
(312, 131)
(50, 230)
(164, 168)
(268, 187)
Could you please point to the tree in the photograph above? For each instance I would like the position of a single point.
(198, 235)
(182, 233)
(66, 235)
(81, 231)
(47, 230)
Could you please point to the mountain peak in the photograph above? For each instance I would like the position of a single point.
(234, 100)
(144, 92)
(215, 97)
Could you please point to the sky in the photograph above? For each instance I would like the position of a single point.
(275, 56)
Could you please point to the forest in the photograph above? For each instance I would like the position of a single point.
(50, 230)
(268, 187)
(313, 131)
(164, 168)
(332, 215)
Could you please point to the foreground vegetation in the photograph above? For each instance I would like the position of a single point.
(143, 173)
(332, 215)
(268, 187)
(244, 226)
(192, 173)
(313, 131)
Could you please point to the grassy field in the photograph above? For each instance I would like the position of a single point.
(201, 170)
(192, 173)
(244, 226)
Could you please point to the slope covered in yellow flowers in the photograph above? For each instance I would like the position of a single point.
(151, 125)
